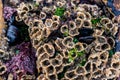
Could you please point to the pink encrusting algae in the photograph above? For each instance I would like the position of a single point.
(24, 61)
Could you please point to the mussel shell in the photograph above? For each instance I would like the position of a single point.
(12, 33)
(85, 32)
(54, 35)
(87, 39)
(117, 47)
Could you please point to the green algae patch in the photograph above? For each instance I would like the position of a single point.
(60, 11)
(95, 21)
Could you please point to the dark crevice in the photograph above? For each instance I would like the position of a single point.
(22, 34)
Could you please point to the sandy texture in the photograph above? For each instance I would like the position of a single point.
(2, 25)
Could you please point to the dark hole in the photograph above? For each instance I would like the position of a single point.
(87, 16)
(104, 21)
(1, 54)
(86, 23)
(103, 56)
(81, 17)
(54, 24)
(78, 22)
(66, 54)
(95, 59)
(80, 70)
(65, 28)
(80, 77)
(55, 62)
(36, 42)
(115, 65)
(73, 54)
(94, 67)
(36, 23)
(88, 67)
(88, 75)
(2, 69)
(42, 15)
(71, 25)
(22, 14)
(52, 77)
(30, 7)
(104, 46)
(50, 69)
(109, 25)
(97, 72)
(70, 75)
(25, 8)
(58, 68)
(55, 19)
(46, 63)
(65, 61)
(48, 49)
(110, 41)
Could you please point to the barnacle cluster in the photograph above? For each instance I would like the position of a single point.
(3, 39)
(72, 40)
(5, 54)
(3, 69)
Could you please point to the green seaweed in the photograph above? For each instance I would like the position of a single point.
(111, 52)
(81, 53)
(71, 52)
(95, 21)
(66, 33)
(82, 63)
(70, 59)
(36, 4)
(75, 40)
(60, 11)
(76, 52)
(61, 75)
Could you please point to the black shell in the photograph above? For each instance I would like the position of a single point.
(85, 32)
(87, 39)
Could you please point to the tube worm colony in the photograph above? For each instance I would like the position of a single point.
(72, 41)
(58, 52)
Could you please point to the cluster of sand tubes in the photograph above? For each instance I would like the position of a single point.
(53, 39)
(62, 43)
